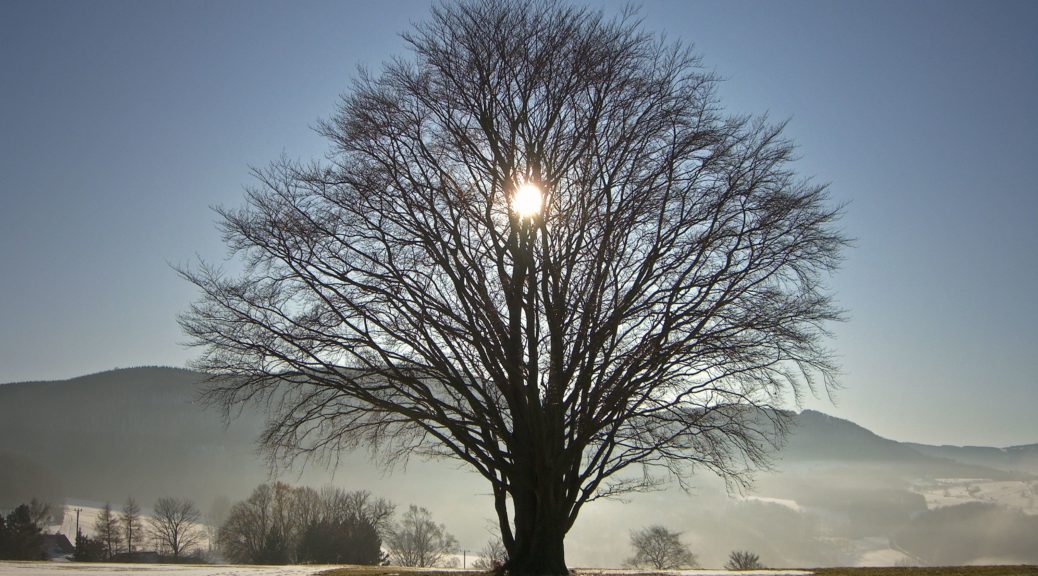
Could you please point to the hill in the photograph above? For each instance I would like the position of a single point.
(839, 493)
(140, 431)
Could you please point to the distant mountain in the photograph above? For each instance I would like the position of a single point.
(144, 432)
(818, 437)
(140, 431)
(1019, 458)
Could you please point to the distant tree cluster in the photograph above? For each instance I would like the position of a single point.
(282, 524)
(173, 532)
(20, 536)
(277, 524)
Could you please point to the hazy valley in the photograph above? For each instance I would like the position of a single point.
(839, 494)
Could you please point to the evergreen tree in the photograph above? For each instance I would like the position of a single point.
(130, 519)
(89, 549)
(22, 537)
(350, 541)
(106, 530)
(3, 537)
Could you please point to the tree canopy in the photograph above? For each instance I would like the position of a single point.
(661, 294)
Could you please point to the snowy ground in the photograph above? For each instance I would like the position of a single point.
(952, 491)
(77, 569)
(83, 569)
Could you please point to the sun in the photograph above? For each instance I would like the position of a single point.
(527, 200)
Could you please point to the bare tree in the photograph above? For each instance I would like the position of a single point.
(539, 247)
(130, 521)
(743, 560)
(106, 529)
(243, 535)
(281, 524)
(419, 541)
(659, 548)
(493, 556)
(44, 514)
(263, 529)
(340, 505)
(175, 525)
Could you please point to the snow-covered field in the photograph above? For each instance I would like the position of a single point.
(76, 569)
(952, 491)
(82, 569)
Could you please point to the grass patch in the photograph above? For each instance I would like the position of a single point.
(397, 571)
(887, 571)
(931, 571)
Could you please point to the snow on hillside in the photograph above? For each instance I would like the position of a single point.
(88, 512)
(1020, 494)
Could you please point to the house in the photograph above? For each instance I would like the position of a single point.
(56, 547)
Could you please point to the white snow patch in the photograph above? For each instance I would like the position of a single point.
(92, 569)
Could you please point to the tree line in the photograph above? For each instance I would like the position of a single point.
(277, 524)
(174, 531)
(283, 524)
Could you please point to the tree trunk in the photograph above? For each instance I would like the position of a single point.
(540, 531)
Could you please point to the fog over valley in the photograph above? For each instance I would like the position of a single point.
(838, 494)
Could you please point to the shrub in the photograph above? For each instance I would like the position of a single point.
(743, 560)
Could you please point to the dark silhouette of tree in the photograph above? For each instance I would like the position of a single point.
(419, 541)
(20, 537)
(106, 530)
(175, 525)
(348, 541)
(743, 560)
(132, 526)
(345, 528)
(342, 506)
(659, 548)
(493, 556)
(252, 532)
(89, 549)
(281, 524)
(640, 318)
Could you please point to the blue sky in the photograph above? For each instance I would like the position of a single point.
(121, 123)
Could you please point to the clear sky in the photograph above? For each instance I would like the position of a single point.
(121, 123)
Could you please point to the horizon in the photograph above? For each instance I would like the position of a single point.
(795, 410)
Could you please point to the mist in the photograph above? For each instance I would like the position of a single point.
(838, 495)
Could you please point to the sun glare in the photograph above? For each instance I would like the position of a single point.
(527, 200)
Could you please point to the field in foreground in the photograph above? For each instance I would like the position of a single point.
(939, 571)
(101, 569)
(78, 569)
